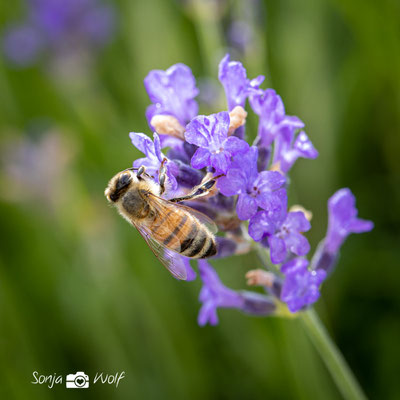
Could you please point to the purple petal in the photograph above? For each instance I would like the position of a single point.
(260, 225)
(157, 147)
(172, 92)
(233, 183)
(304, 146)
(269, 180)
(343, 220)
(220, 162)
(143, 143)
(208, 131)
(296, 221)
(237, 87)
(235, 145)
(246, 206)
(297, 244)
(207, 314)
(247, 162)
(277, 249)
(301, 286)
(360, 225)
(201, 158)
(275, 204)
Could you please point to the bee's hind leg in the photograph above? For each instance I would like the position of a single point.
(199, 191)
(162, 174)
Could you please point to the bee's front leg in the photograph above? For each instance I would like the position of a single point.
(199, 191)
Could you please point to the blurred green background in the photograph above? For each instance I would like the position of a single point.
(80, 291)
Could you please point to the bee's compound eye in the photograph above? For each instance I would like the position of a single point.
(123, 180)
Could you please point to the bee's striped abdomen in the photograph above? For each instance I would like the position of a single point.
(183, 233)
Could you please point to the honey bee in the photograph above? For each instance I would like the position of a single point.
(169, 228)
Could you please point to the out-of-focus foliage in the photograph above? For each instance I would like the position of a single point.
(79, 291)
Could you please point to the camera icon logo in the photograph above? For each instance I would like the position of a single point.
(77, 381)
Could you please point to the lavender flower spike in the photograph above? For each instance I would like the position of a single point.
(154, 157)
(216, 149)
(343, 220)
(172, 92)
(301, 286)
(237, 87)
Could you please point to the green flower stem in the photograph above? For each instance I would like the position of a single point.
(331, 355)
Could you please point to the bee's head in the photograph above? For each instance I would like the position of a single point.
(119, 184)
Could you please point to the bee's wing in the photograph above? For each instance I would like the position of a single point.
(204, 219)
(168, 258)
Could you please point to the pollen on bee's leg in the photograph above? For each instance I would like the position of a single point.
(296, 207)
(168, 125)
(237, 118)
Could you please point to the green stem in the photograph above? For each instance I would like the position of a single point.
(332, 357)
(330, 354)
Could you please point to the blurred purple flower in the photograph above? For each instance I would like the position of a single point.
(216, 149)
(286, 152)
(22, 44)
(172, 92)
(59, 27)
(154, 157)
(301, 286)
(237, 87)
(343, 220)
(255, 189)
(273, 121)
(214, 294)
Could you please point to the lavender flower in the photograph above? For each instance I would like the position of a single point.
(273, 120)
(288, 237)
(237, 87)
(343, 220)
(255, 189)
(154, 157)
(172, 92)
(216, 149)
(301, 286)
(288, 150)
